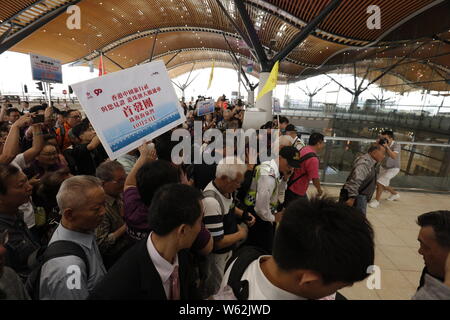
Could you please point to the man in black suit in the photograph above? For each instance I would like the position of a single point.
(158, 268)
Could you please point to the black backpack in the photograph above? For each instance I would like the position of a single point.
(56, 249)
(242, 259)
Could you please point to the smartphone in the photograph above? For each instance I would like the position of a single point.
(38, 118)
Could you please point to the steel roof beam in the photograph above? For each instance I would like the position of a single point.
(266, 65)
(113, 61)
(174, 56)
(237, 61)
(238, 29)
(32, 27)
(310, 28)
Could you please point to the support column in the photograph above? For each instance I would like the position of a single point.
(251, 97)
(265, 103)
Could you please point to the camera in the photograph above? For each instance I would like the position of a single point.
(383, 141)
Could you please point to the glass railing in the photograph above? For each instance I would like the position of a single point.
(439, 122)
(424, 166)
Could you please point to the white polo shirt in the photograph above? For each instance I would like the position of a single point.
(259, 287)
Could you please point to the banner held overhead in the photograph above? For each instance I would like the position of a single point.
(130, 106)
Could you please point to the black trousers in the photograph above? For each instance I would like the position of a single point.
(261, 234)
(290, 196)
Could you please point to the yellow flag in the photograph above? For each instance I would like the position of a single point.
(211, 76)
(271, 82)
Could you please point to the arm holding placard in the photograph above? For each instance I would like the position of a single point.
(147, 155)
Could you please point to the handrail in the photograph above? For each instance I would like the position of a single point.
(367, 140)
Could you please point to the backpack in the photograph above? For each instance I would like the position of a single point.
(245, 185)
(56, 249)
(302, 159)
(245, 255)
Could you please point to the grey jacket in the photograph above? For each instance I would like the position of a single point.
(433, 289)
(363, 177)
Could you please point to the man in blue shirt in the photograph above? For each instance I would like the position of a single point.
(81, 201)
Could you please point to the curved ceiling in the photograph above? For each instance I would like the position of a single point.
(198, 30)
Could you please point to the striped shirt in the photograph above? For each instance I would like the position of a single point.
(213, 217)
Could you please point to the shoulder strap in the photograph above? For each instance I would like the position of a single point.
(65, 248)
(302, 159)
(56, 249)
(308, 156)
(245, 256)
(213, 194)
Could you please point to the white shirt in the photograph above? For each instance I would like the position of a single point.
(26, 208)
(259, 287)
(268, 181)
(164, 267)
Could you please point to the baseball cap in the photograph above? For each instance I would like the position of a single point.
(292, 155)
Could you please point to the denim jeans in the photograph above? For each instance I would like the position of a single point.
(361, 203)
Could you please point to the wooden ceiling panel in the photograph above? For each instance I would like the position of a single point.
(105, 23)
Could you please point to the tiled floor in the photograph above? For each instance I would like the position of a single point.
(396, 244)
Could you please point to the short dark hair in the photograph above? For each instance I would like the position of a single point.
(153, 175)
(50, 184)
(105, 171)
(164, 146)
(388, 133)
(291, 127)
(6, 171)
(79, 129)
(174, 205)
(373, 147)
(315, 138)
(283, 120)
(440, 222)
(72, 110)
(37, 109)
(267, 125)
(325, 236)
(10, 110)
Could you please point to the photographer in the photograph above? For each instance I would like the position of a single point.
(361, 183)
(389, 169)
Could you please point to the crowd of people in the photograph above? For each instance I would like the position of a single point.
(75, 225)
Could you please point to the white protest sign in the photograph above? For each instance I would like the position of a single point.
(254, 118)
(45, 69)
(205, 107)
(130, 106)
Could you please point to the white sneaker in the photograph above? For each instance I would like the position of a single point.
(394, 197)
(374, 204)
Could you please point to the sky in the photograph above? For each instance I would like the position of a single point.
(15, 71)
